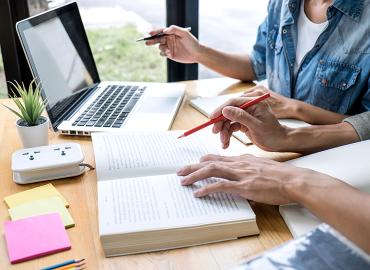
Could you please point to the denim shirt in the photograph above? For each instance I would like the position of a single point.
(335, 74)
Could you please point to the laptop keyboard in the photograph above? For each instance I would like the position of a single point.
(111, 107)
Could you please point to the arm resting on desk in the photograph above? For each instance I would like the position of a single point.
(336, 203)
(266, 181)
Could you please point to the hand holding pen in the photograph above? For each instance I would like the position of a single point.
(176, 43)
(157, 34)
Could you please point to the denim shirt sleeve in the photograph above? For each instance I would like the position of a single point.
(258, 54)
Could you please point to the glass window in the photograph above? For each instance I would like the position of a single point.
(230, 26)
(3, 90)
(112, 28)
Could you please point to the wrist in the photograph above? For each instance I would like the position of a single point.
(200, 54)
(297, 186)
(295, 108)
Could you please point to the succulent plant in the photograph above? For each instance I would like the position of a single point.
(29, 102)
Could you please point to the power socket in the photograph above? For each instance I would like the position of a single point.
(47, 163)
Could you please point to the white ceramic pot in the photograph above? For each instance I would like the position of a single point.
(32, 136)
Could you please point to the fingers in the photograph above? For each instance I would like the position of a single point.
(211, 157)
(171, 43)
(161, 40)
(240, 116)
(221, 186)
(156, 31)
(225, 135)
(258, 90)
(165, 51)
(231, 102)
(176, 30)
(211, 169)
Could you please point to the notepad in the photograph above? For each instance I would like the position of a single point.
(38, 193)
(40, 207)
(34, 237)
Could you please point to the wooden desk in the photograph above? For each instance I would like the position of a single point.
(81, 193)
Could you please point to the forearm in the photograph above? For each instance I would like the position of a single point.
(317, 138)
(236, 66)
(313, 114)
(336, 203)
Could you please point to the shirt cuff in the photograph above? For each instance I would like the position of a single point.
(361, 123)
(258, 67)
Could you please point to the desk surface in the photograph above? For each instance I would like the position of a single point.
(81, 193)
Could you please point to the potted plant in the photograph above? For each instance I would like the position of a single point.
(32, 126)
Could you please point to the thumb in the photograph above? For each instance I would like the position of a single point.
(175, 30)
(240, 116)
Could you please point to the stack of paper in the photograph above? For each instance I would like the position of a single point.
(34, 237)
(40, 216)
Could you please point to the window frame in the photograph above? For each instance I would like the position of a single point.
(183, 13)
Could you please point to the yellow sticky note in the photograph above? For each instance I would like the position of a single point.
(41, 207)
(38, 193)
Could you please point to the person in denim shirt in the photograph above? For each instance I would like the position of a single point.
(331, 82)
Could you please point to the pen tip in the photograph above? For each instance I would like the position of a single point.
(182, 136)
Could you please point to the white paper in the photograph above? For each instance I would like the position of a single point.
(132, 154)
(160, 202)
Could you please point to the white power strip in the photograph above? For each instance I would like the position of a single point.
(47, 163)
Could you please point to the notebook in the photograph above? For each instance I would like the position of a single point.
(321, 249)
(44, 206)
(33, 194)
(34, 237)
(206, 105)
(349, 163)
(142, 205)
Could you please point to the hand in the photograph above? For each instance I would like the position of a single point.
(281, 106)
(257, 122)
(257, 179)
(179, 44)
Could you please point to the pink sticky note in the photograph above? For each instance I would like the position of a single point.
(34, 237)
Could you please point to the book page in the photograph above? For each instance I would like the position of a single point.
(160, 202)
(132, 154)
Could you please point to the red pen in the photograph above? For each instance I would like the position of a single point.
(221, 117)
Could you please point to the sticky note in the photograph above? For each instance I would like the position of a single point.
(40, 207)
(34, 237)
(38, 193)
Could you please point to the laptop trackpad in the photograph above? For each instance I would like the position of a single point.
(157, 105)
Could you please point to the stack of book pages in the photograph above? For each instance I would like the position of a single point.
(143, 206)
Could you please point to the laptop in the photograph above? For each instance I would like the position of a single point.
(78, 103)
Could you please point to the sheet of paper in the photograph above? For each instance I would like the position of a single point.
(40, 207)
(132, 154)
(348, 163)
(38, 193)
(207, 105)
(34, 237)
(160, 202)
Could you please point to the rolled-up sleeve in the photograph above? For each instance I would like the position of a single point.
(361, 123)
(258, 54)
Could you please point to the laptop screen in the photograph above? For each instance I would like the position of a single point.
(57, 49)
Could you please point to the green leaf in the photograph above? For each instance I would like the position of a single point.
(14, 111)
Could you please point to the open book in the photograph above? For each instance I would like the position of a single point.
(206, 105)
(348, 163)
(142, 205)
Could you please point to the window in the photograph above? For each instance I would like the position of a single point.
(229, 26)
(112, 28)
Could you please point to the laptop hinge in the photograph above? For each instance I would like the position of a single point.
(76, 105)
